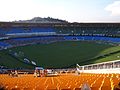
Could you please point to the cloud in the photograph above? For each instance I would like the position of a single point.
(114, 8)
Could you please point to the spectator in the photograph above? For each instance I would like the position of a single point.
(85, 86)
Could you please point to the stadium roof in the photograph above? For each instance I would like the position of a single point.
(14, 24)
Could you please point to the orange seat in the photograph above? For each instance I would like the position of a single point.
(94, 88)
(106, 88)
(62, 82)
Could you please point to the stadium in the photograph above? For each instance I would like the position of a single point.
(72, 55)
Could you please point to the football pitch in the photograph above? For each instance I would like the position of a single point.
(61, 54)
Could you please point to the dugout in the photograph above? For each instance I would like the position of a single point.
(39, 72)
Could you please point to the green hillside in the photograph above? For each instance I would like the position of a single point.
(60, 54)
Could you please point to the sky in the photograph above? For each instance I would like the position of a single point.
(70, 10)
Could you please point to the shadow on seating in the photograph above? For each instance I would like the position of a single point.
(117, 87)
(77, 89)
(2, 87)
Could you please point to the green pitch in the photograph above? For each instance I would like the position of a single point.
(60, 54)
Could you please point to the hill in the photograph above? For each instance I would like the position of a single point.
(42, 20)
